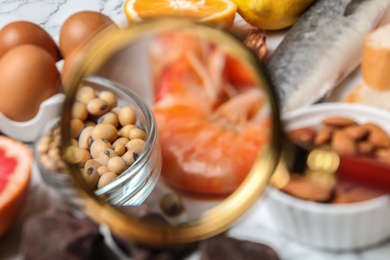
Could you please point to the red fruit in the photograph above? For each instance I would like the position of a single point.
(15, 172)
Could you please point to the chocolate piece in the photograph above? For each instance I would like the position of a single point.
(143, 252)
(140, 252)
(54, 234)
(223, 247)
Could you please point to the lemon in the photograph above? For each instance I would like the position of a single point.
(272, 14)
(217, 12)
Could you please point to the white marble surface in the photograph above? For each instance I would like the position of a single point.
(257, 226)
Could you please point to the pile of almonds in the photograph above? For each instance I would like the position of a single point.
(346, 136)
(106, 140)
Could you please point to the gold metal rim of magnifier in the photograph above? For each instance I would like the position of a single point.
(215, 220)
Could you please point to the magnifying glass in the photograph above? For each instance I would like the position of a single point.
(171, 131)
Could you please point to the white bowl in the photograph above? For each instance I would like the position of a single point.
(27, 131)
(327, 226)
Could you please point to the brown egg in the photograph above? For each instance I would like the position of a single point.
(28, 76)
(23, 32)
(79, 28)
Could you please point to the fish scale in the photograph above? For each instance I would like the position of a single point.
(322, 48)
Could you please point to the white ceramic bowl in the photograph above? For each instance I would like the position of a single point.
(327, 226)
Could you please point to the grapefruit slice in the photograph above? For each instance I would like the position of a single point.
(15, 172)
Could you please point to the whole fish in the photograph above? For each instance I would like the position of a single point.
(322, 48)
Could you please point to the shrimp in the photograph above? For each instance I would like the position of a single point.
(211, 122)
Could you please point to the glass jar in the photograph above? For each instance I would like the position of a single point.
(131, 187)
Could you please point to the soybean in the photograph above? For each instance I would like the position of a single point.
(130, 157)
(54, 153)
(135, 145)
(124, 131)
(92, 163)
(120, 140)
(43, 145)
(102, 170)
(120, 149)
(85, 94)
(74, 142)
(106, 178)
(91, 176)
(56, 131)
(97, 107)
(171, 204)
(127, 116)
(137, 133)
(117, 165)
(106, 155)
(109, 118)
(85, 139)
(105, 131)
(109, 97)
(76, 126)
(79, 111)
(98, 146)
(81, 156)
(116, 110)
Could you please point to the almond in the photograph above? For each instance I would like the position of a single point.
(377, 136)
(365, 147)
(302, 136)
(349, 193)
(342, 143)
(301, 187)
(323, 136)
(383, 155)
(356, 132)
(338, 121)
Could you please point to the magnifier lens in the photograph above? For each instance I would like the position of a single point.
(181, 127)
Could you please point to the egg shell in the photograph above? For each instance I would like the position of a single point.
(79, 28)
(23, 32)
(28, 76)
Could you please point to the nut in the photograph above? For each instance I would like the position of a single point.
(338, 121)
(377, 136)
(302, 188)
(342, 143)
(383, 155)
(356, 132)
(323, 136)
(365, 147)
(302, 136)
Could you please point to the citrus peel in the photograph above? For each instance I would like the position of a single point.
(218, 12)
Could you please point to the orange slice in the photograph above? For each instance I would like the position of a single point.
(15, 172)
(219, 12)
